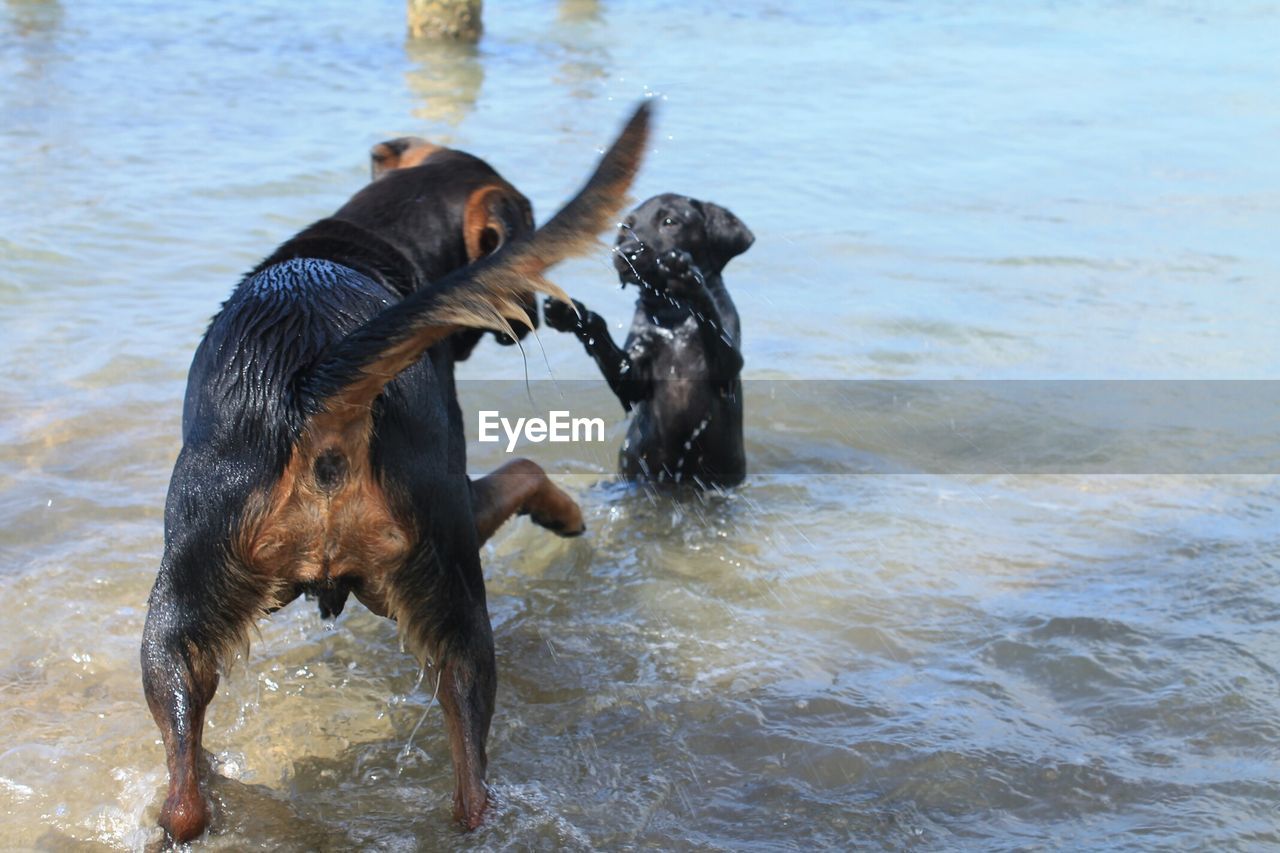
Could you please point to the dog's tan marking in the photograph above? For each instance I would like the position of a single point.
(316, 525)
(402, 153)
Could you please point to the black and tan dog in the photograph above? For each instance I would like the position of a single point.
(323, 448)
(679, 368)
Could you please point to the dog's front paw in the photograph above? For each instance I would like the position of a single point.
(683, 278)
(675, 263)
(561, 317)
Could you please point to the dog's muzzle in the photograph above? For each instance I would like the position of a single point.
(632, 259)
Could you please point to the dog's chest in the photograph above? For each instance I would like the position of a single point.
(671, 351)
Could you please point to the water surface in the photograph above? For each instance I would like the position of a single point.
(832, 656)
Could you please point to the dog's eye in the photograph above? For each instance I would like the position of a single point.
(670, 223)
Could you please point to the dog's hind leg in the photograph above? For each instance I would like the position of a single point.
(521, 487)
(438, 599)
(189, 628)
(467, 689)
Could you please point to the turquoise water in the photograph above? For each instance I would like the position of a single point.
(832, 657)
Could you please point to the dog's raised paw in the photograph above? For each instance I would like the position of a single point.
(567, 525)
(560, 316)
(681, 273)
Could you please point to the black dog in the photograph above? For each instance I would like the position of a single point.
(680, 366)
(323, 447)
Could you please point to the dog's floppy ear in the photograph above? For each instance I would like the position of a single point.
(491, 216)
(727, 236)
(400, 153)
(495, 214)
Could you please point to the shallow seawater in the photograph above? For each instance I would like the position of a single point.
(844, 652)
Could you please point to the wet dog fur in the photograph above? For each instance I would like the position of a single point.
(679, 370)
(323, 448)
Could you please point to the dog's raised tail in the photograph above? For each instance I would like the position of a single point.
(485, 295)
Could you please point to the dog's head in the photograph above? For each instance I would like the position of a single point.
(708, 232)
(454, 205)
(443, 208)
